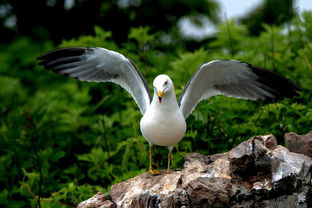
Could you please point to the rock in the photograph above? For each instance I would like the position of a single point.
(256, 173)
(299, 143)
(265, 174)
(250, 159)
(98, 200)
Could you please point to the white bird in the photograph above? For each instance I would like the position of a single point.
(163, 122)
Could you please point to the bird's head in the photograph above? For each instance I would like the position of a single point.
(162, 86)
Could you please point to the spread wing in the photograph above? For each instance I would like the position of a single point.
(99, 65)
(234, 79)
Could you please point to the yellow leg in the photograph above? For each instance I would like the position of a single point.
(150, 169)
(169, 160)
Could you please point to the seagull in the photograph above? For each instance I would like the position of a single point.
(163, 121)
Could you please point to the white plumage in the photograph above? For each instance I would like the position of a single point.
(163, 122)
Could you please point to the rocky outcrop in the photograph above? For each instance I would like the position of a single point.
(256, 173)
(99, 200)
(299, 143)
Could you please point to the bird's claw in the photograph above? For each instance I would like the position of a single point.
(153, 172)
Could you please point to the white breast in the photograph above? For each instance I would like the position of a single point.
(163, 126)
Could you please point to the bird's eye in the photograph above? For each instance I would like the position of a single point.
(166, 82)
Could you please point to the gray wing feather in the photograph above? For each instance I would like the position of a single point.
(99, 65)
(234, 79)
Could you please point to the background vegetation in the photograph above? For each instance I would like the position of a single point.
(62, 140)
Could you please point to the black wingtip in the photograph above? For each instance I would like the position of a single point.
(55, 58)
(280, 86)
(61, 52)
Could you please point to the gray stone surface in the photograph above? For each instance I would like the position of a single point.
(299, 143)
(99, 200)
(256, 173)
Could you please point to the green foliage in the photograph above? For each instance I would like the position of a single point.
(141, 35)
(63, 140)
(101, 39)
(230, 37)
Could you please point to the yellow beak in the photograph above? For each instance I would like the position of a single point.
(160, 93)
